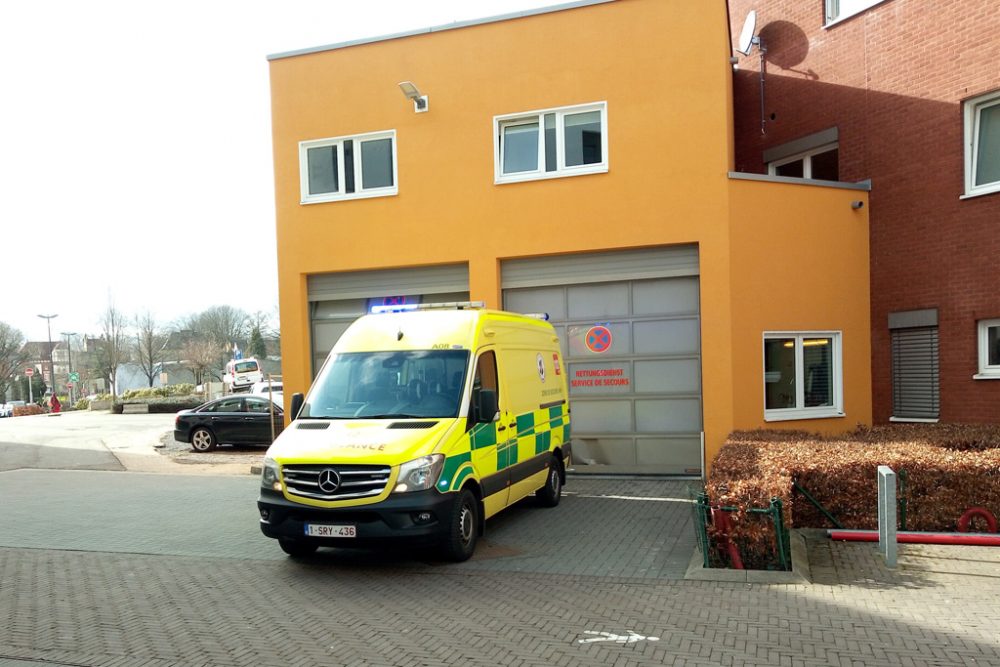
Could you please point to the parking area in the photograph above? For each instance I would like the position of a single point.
(110, 569)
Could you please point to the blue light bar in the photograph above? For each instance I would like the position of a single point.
(398, 308)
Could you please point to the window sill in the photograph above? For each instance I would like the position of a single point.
(802, 414)
(912, 420)
(986, 376)
(321, 199)
(981, 193)
(544, 176)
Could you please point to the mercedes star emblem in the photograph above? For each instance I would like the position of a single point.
(329, 480)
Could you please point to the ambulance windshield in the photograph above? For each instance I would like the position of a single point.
(389, 385)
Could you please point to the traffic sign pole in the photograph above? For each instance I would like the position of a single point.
(28, 372)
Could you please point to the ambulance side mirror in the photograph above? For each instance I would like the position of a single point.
(297, 400)
(486, 408)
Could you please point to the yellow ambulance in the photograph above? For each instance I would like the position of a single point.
(423, 422)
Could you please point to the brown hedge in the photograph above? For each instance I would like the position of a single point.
(949, 468)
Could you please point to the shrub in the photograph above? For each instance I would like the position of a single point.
(29, 409)
(82, 404)
(948, 467)
(159, 392)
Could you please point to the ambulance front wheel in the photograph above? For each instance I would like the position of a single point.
(463, 530)
(549, 495)
(296, 548)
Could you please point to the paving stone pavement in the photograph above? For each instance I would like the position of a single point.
(124, 569)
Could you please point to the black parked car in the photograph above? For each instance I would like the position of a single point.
(235, 420)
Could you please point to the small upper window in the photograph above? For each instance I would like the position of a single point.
(802, 375)
(352, 167)
(819, 163)
(551, 143)
(982, 144)
(989, 349)
(838, 10)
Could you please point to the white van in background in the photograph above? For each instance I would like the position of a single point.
(241, 374)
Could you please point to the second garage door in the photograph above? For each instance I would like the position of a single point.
(630, 331)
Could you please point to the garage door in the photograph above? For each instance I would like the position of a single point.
(337, 299)
(630, 331)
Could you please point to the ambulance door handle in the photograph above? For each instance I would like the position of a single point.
(501, 428)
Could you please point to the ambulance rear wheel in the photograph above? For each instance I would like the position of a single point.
(463, 528)
(549, 495)
(295, 548)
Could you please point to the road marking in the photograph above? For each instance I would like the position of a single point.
(630, 638)
(610, 497)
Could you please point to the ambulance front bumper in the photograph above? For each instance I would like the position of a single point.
(420, 517)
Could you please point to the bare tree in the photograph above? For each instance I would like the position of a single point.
(223, 324)
(113, 349)
(12, 357)
(150, 340)
(200, 356)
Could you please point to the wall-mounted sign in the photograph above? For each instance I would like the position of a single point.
(598, 339)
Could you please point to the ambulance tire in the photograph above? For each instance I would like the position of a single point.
(295, 548)
(549, 495)
(463, 527)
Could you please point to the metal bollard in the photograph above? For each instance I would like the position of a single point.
(887, 515)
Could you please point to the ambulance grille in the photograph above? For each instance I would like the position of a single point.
(355, 481)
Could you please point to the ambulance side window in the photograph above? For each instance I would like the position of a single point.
(486, 376)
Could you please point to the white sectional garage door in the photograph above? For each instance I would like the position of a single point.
(630, 330)
(337, 299)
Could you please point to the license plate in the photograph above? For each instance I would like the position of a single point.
(323, 530)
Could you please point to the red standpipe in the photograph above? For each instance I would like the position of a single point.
(913, 537)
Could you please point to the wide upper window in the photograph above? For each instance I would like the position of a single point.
(989, 349)
(551, 143)
(982, 144)
(802, 375)
(838, 10)
(362, 165)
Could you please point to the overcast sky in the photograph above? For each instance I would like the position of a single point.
(135, 155)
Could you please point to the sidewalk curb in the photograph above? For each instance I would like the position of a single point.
(800, 573)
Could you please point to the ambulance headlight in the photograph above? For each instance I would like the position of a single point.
(419, 474)
(269, 476)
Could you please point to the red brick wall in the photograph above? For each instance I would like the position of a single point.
(892, 80)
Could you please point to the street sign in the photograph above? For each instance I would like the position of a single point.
(74, 377)
(69, 385)
(28, 372)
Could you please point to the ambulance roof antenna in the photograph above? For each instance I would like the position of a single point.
(746, 43)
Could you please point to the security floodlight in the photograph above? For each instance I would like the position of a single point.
(411, 92)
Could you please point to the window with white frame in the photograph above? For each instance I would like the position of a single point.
(819, 163)
(353, 167)
(982, 144)
(989, 349)
(838, 10)
(551, 143)
(803, 375)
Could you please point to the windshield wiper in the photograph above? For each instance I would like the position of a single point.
(394, 415)
(322, 417)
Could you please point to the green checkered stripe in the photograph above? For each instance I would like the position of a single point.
(539, 427)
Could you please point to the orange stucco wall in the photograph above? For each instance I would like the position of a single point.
(661, 66)
(799, 262)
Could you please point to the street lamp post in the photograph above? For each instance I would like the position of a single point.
(69, 351)
(52, 367)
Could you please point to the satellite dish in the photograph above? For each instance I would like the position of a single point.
(747, 36)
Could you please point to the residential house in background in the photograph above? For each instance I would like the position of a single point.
(905, 93)
(576, 160)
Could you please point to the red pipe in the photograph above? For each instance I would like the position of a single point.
(722, 523)
(973, 512)
(912, 537)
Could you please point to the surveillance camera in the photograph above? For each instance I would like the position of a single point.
(857, 204)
